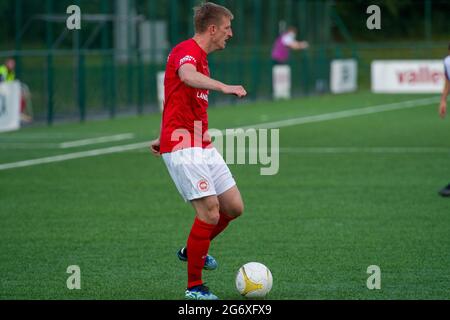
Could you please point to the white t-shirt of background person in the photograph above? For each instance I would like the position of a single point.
(288, 39)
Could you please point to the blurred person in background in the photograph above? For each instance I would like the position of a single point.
(284, 43)
(7, 70)
(445, 192)
(7, 74)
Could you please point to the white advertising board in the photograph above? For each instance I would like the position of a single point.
(9, 106)
(344, 75)
(407, 76)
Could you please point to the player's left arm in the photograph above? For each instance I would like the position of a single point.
(192, 78)
(443, 104)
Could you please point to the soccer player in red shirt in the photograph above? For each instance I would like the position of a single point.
(196, 167)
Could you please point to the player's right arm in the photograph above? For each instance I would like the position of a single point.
(443, 104)
(191, 77)
(155, 144)
(154, 147)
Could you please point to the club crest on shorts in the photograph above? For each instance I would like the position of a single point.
(203, 185)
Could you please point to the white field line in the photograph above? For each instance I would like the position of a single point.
(276, 124)
(376, 150)
(344, 150)
(27, 145)
(85, 142)
(74, 155)
(345, 114)
(20, 136)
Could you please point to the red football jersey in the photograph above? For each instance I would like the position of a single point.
(185, 118)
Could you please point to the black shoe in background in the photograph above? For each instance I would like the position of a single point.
(445, 192)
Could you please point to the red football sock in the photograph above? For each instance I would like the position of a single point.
(197, 246)
(224, 220)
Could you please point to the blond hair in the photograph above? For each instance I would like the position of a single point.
(209, 13)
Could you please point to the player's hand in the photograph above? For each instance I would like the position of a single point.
(238, 91)
(154, 147)
(443, 109)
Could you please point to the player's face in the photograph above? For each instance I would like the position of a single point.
(223, 33)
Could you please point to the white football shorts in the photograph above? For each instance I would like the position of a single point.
(198, 172)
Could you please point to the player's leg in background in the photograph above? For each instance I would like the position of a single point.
(206, 219)
(26, 109)
(231, 207)
(445, 192)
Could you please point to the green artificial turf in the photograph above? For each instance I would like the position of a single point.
(350, 193)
